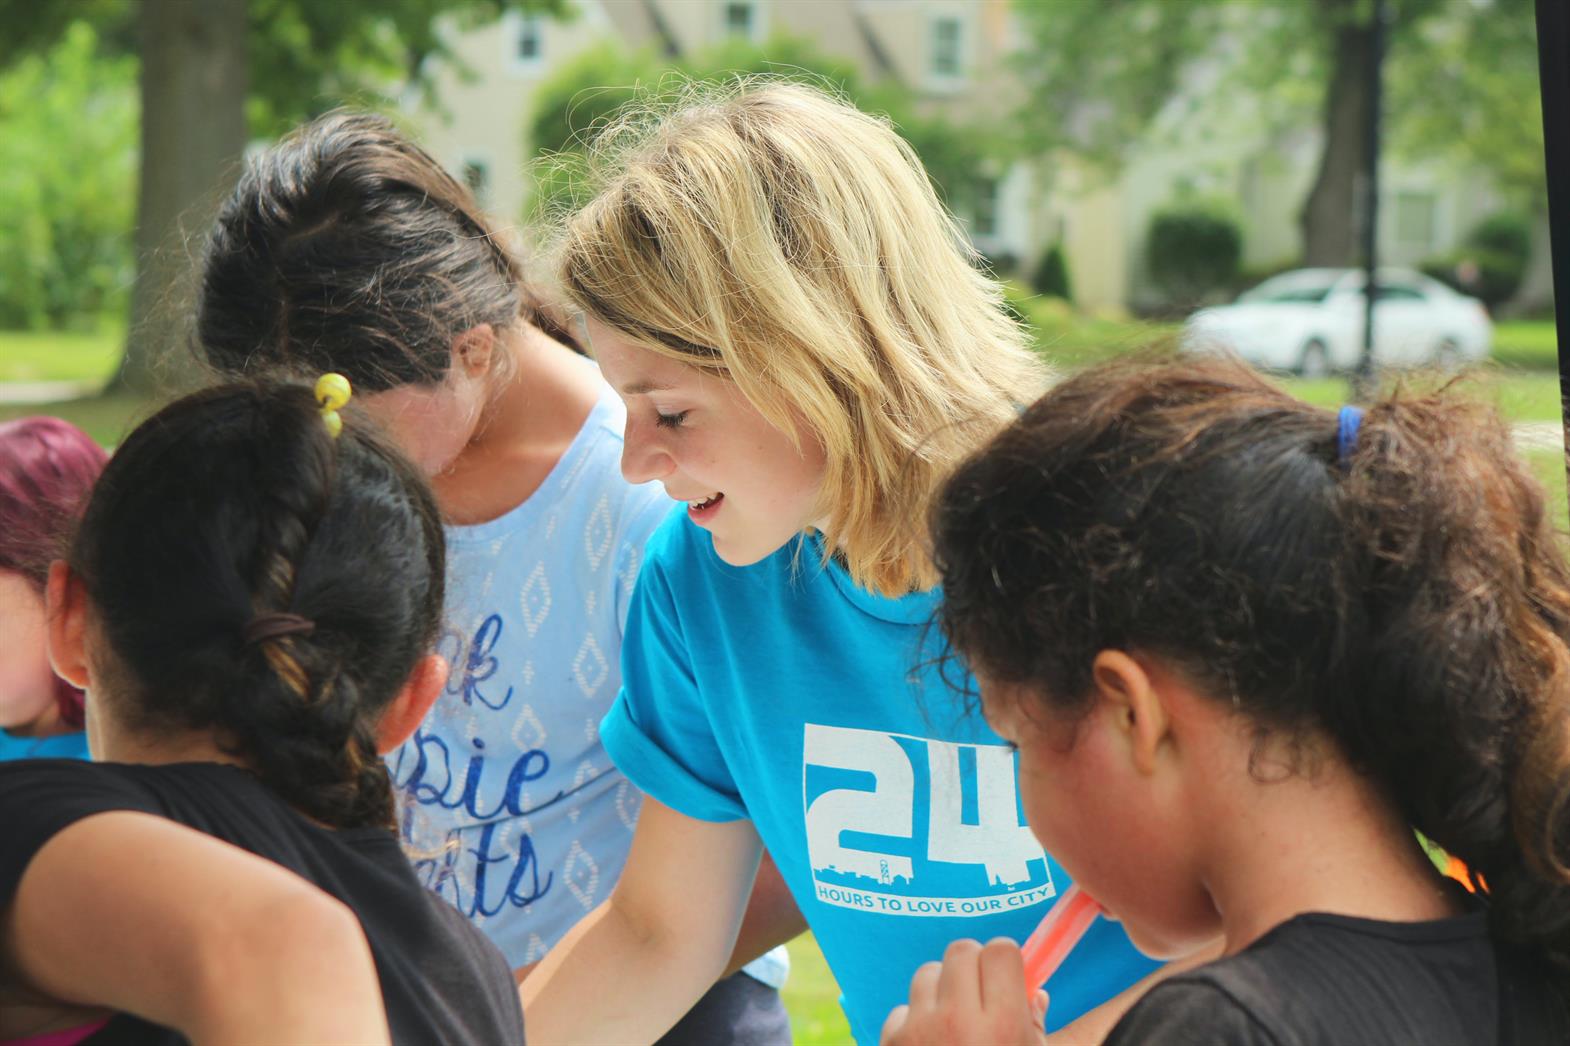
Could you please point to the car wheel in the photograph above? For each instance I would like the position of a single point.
(1448, 355)
(1315, 360)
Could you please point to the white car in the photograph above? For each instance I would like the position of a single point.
(1311, 321)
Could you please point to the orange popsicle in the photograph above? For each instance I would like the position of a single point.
(1061, 929)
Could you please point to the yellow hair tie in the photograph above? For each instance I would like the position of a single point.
(332, 392)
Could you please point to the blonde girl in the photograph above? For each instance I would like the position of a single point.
(804, 348)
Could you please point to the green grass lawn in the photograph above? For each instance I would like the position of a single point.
(88, 357)
(105, 418)
(1522, 376)
(1521, 395)
(1550, 468)
(61, 355)
(812, 997)
(1526, 343)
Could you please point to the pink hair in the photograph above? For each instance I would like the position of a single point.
(47, 468)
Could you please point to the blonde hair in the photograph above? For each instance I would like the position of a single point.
(781, 238)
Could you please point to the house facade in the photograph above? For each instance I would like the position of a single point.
(957, 57)
(952, 53)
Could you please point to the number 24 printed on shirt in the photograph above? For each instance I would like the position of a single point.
(910, 826)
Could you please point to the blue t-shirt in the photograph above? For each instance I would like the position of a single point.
(512, 810)
(57, 746)
(783, 693)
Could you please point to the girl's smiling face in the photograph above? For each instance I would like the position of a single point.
(744, 479)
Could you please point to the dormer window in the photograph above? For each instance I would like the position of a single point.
(947, 48)
(525, 42)
(739, 18)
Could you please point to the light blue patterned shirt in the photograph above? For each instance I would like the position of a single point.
(510, 806)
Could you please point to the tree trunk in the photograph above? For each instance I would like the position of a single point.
(1330, 215)
(193, 85)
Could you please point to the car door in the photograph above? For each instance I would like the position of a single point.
(1341, 321)
(1404, 324)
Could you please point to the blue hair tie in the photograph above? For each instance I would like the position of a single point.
(1347, 423)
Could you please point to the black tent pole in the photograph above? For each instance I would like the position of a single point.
(1379, 27)
(1553, 56)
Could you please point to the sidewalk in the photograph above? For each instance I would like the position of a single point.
(22, 393)
(1539, 435)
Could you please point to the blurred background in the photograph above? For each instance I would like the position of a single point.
(1137, 171)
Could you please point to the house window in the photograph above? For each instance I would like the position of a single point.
(948, 38)
(740, 18)
(1415, 219)
(477, 176)
(528, 41)
(984, 216)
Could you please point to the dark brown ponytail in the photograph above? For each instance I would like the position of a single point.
(259, 579)
(1464, 678)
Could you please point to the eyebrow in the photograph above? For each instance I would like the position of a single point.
(644, 387)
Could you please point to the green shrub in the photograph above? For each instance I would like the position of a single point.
(1492, 262)
(1051, 276)
(1493, 277)
(1507, 233)
(1193, 249)
(68, 132)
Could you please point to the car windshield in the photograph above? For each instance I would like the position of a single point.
(1295, 292)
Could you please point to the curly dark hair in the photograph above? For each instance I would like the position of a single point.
(1412, 602)
(235, 502)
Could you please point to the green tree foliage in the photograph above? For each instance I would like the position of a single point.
(1467, 91)
(575, 102)
(309, 56)
(212, 73)
(1462, 82)
(68, 133)
(1098, 73)
(303, 57)
(1193, 249)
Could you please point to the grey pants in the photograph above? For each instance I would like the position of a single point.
(738, 1011)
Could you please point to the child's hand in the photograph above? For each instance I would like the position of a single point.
(977, 994)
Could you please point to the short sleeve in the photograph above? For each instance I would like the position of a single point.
(1182, 1012)
(658, 732)
(39, 799)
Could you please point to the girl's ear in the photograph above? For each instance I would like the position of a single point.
(475, 350)
(1133, 702)
(65, 606)
(408, 709)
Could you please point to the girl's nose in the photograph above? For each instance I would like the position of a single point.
(642, 459)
